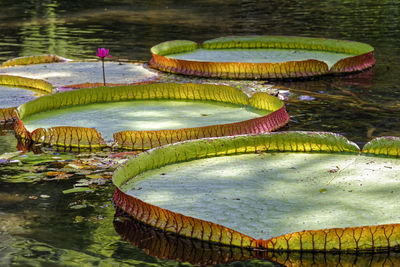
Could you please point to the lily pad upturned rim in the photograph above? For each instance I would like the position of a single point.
(363, 59)
(384, 237)
(9, 114)
(81, 137)
(35, 59)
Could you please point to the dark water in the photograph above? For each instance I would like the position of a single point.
(50, 230)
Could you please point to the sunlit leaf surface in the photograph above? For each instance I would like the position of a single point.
(14, 80)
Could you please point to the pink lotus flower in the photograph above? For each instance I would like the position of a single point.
(102, 53)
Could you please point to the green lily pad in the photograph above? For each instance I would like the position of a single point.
(267, 195)
(109, 118)
(260, 55)
(254, 57)
(248, 191)
(69, 73)
(146, 116)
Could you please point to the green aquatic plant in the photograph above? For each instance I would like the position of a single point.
(262, 57)
(352, 239)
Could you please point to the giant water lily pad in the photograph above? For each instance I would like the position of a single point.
(109, 118)
(262, 57)
(146, 116)
(264, 199)
(261, 194)
(67, 73)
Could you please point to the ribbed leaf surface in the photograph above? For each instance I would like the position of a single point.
(79, 137)
(163, 245)
(138, 92)
(159, 244)
(352, 239)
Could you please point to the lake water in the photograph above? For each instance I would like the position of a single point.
(76, 229)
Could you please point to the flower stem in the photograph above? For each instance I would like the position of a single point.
(104, 75)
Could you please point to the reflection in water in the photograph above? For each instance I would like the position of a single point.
(8, 142)
(74, 28)
(168, 246)
(336, 259)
